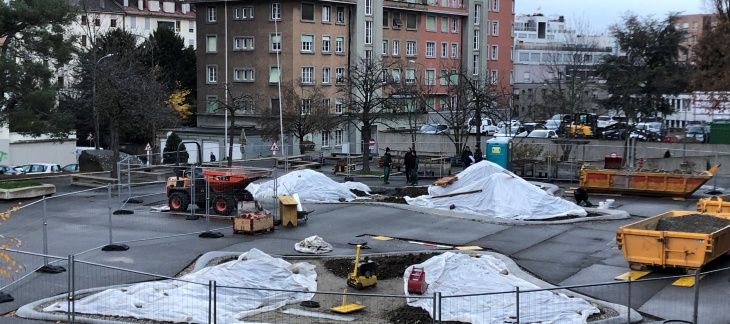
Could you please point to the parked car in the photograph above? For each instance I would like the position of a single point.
(507, 132)
(539, 133)
(693, 123)
(616, 131)
(10, 170)
(41, 168)
(557, 122)
(698, 133)
(73, 167)
(434, 129)
(487, 127)
(649, 131)
(529, 127)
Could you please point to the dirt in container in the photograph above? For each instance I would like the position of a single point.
(693, 223)
(389, 267)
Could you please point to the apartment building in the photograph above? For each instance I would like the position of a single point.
(500, 41)
(693, 25)
(256, 46)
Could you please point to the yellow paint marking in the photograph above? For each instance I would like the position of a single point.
(688, 281)
(469, 248)
(381, 238)
(633, 275)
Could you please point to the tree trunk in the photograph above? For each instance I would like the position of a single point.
(301, 144)
(230, 139)
(365, 135)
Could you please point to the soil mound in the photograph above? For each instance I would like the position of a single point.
(389, 267)
(692, 223)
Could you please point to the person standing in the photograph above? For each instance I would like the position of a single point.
(478, 155)
(212, 157)
(414, 168)
(466, 157)
(387, 161)
(407, 162)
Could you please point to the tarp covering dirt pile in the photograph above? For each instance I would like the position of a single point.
(502, 195)
(310, 185)
(186, 300)
(454, 274)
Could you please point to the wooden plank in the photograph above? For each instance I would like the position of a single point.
(688, 281)
(458, 193)
(445, 181)
(632, 275)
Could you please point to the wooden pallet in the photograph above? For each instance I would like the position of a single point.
(445, 181)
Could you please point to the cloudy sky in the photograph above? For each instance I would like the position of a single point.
(601, 13)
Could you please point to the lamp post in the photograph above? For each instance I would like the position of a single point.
(93, 101)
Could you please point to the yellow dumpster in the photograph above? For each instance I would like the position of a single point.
(714, 204)
(640, 182)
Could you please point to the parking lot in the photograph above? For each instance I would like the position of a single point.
(565, 254)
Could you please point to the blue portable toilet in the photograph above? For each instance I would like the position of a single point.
(499, 151)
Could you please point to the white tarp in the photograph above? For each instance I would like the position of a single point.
(454, 274)
(186, 300)
(309, 184)
(314, 245)
(503, 195)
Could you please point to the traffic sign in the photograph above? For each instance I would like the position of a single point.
(148, 147)
(372, 142)
(274, 147)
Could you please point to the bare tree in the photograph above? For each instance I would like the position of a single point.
(235, 101)
(305, 110)
(368, 92)
(410, 98)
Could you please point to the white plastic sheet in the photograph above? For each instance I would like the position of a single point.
(314, 245)
(503, 195)
(187, 301)
(454, 274)
(309, 184)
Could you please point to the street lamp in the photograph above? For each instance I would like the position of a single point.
(93, 102)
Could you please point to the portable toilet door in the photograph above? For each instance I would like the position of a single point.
(499, 151)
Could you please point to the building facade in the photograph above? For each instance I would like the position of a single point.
(252, 48)
(693, 26)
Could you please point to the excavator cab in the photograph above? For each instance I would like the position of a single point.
(584, 125)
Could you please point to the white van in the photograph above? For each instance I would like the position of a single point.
(487, 128)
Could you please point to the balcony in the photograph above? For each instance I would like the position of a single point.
(456, 8)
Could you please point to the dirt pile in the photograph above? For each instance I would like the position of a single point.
(692, 223)
(389, 267)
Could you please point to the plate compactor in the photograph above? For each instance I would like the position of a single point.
(364, 273)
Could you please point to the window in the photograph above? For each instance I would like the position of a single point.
(495, 5)
(454, 25)
(97, 22)
(326, 13)
(431, 49)
(430, 77)
(243, 43)
(113, 23)
(146, 23)
(339, 105)
(84, 20)
(243, 13)
(211, 44)
(410, 76)
(386, 19)
(368, 32)
(495, 52)
(411, 21)
(495, 28)
(493, 77)
(454, 77)
(384, 48)
(695, 25)
(444, 49)
(325, 75)
(340, 45)
(243, 75)
(308, 11)
(133, 22)
(340, 75)
(368, 7)
(308, 75)
(444, 24)
(275, 42)
(396, 20)
(212, 15)
(340, 15)
(396, 75)
(477, 14)
(275, 106)
(83, 40)
(384, 78)
(326, 44)
(475, 41)
(212, 74)
(338, 136)
(307, 43)
(410, 48)
(396, 47)
(211, 103)
(306, 108)
(454, 50)
(326, 138)
(368, 56)
(244, 104)
(431, 23)
(276, 11)
(512, 79)
(274, 76)
(444, 77)
(475, 65)
(526, 77)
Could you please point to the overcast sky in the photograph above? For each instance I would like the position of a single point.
(601, 13)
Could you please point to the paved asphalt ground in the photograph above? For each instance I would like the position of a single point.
(562, 254)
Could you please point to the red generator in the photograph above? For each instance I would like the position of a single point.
(417, 281)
